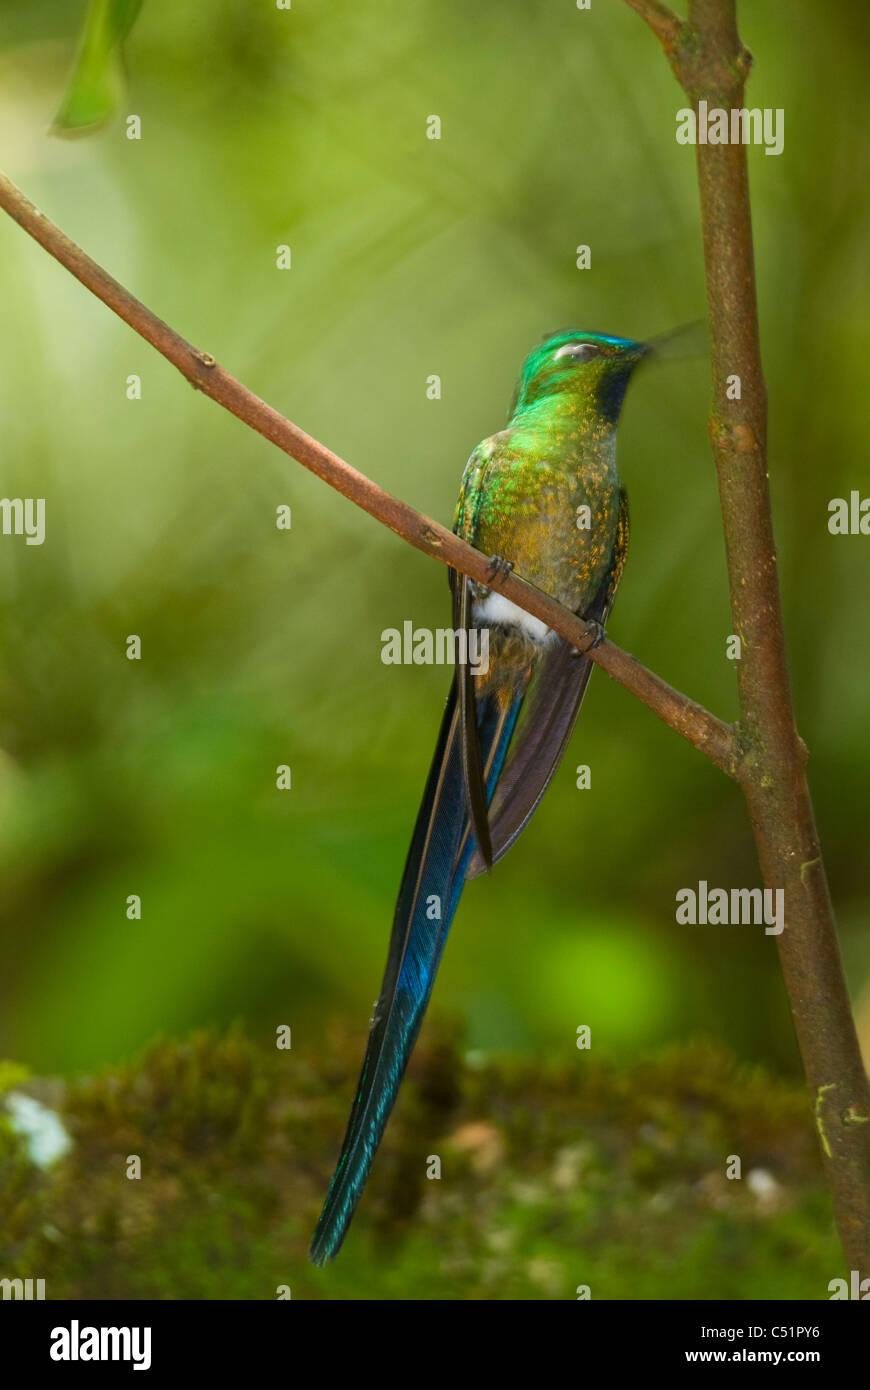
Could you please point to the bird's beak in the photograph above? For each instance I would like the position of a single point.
(689, 340)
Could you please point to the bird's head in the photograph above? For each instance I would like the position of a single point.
(594, 368)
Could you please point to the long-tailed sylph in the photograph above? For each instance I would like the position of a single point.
(544, 497)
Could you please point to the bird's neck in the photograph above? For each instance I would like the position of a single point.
(567, 422)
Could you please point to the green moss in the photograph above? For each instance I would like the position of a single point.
(552, 1175)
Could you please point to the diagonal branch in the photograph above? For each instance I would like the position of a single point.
(709, 734)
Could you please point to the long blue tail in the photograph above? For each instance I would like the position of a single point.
(441, 849)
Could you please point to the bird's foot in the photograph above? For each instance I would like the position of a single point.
(599, 635)
(498, 568)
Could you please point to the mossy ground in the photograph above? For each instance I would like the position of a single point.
(582, 1173)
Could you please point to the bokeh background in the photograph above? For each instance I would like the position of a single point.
(262, 647)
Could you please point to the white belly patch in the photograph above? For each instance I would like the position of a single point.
(495, 608)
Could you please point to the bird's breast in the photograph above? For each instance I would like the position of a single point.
(555, 520)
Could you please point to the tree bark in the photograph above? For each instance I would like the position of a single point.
(712, 65)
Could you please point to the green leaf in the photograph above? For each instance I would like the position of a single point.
(96, 83)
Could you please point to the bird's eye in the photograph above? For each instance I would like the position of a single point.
(581, 352)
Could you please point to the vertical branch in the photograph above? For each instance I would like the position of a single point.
(711, 65)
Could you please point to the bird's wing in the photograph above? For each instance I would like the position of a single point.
(465, 525)
(551, 710)
(468, 732)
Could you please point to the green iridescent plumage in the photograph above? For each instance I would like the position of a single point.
(543, 494)
(523, 488)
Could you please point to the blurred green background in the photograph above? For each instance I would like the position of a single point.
(262, 647)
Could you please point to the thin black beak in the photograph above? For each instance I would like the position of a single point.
(689, 340)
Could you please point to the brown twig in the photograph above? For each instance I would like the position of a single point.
(667, 27)
(714, 738)
(711, 64)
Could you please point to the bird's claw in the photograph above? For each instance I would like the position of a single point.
(599, 636)
(498, 568)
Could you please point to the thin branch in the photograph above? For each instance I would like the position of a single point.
(707, 733)
(712, 64)
(667, 27)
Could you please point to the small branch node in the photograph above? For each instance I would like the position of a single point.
(667, 27)
(850, 1118)
(744, 63)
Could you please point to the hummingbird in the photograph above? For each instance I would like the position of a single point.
(542, 497)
